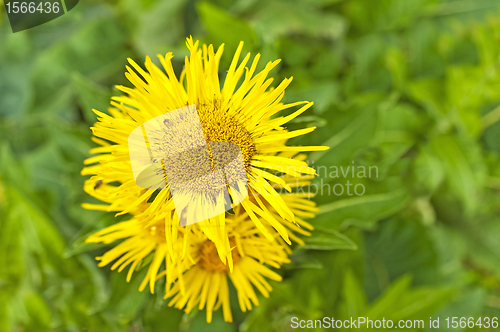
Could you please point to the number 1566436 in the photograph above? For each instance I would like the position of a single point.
(31, 7)
(470, 322)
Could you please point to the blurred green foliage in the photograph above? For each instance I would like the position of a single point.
(409, 86)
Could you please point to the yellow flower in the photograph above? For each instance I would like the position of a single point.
(243, 112)
(196, 275)
(207, 281)
(164, 242)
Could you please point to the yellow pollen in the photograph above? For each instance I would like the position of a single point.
(210, 259)
(220, 127)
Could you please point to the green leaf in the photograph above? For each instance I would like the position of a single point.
(102, 291)
(95, 50)
(16, 92)
(356, 135)
(5, 324)
(126, 301)
(299, 18)
(363, 211)
(199, 323)
(428, 171)
(225, 28)
(38, 311)
(158, 316)
(90, 96)
(462, 168)
(353, 295)
(430, 92)
(396, 62)
(323, 239)
(79, 246)
(468, 303)
(400, 245)
(301, 259)
(324, 94)
(149, 35)
(12, 266)
(400, 302)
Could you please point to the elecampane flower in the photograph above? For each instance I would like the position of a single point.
(164, 243)
(243, 111)
(195, 273)
(252, 256)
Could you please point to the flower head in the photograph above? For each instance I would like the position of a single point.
(244, 111)
(194, 273)
(252, 236)
(208, 279)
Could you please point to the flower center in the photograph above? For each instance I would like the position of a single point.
(219, 127)
(210, 259)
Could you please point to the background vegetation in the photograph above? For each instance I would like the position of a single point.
(409, 86)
